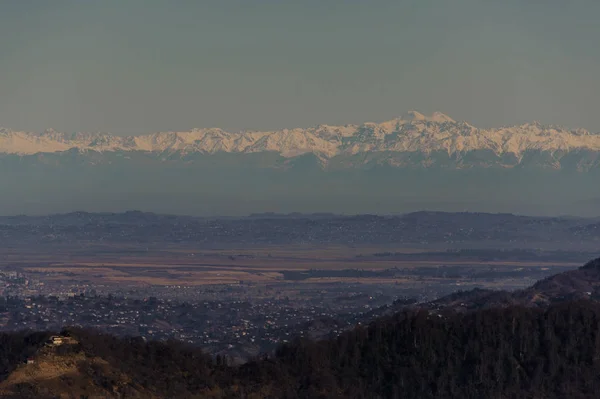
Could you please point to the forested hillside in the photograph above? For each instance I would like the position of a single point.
(513, 352)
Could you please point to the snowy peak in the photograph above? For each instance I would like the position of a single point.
(441, 118)
(412, 132)
(415, 116)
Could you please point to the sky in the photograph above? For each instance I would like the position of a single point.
(135, 66)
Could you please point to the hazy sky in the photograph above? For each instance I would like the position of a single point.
(131, 66)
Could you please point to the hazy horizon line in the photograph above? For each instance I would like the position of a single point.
(284, 214)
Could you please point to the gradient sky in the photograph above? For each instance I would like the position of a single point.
(132, 66)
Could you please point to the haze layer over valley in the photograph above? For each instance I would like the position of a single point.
(405, 164)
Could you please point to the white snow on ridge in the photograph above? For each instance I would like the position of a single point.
(412, 132)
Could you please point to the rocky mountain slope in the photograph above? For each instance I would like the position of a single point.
(410, 134)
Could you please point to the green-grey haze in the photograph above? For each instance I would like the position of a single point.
(238, 184)
(146, 65)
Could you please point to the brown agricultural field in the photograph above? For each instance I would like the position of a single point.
(179, 266)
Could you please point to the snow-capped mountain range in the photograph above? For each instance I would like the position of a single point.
(406, 164)
(413, 132)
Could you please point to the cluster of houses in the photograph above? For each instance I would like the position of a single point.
(55, 340)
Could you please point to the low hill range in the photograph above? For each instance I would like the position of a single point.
(582, 283)
(423, 229)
